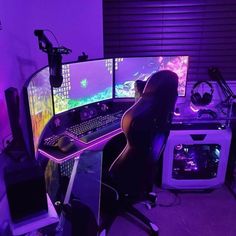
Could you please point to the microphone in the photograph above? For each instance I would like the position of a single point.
(55, 70)
(54, 57)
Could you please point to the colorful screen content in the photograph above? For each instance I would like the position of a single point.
(128, 70)
(83, 83)
(40, 103)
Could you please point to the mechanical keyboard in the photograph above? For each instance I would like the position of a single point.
(92, 129)
(51, 141)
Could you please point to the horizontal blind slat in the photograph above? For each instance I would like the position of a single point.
(205, 30)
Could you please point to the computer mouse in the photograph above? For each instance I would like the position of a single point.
(65, 144)
(207, 113)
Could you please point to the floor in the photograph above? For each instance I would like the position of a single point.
(187, 214)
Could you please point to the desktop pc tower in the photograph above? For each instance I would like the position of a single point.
(196, 159)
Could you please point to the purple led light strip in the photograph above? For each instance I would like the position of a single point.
(91, 144)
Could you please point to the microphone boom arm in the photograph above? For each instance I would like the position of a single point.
(54, 58)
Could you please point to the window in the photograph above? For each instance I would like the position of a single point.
(204, 30)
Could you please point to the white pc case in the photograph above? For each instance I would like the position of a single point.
(196, 159)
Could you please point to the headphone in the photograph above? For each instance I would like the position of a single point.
(204, 99)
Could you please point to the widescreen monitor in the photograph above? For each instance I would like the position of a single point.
(84, 83)
(128, 70)
(40, 103)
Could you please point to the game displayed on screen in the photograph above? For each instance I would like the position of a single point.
(128, 70)
(84, 83)
(40, 103)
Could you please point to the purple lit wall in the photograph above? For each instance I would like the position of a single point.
(77, 25)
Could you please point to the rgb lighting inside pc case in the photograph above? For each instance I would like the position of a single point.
(128, 70)
(40, 103)
(84, 83)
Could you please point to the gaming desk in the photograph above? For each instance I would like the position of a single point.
(69, 118)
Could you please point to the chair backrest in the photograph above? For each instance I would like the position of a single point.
(144, 125)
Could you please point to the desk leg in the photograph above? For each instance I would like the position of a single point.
(68, 193)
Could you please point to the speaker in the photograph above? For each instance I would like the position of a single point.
(17, 148)
(55, 69)
(13, 108)
(25, 189)
(199, 99)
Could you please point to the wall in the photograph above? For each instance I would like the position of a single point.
(77, 25)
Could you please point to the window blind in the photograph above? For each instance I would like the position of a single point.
(205, 30)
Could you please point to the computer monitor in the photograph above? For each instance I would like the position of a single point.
(39, 103)
(84, 83)
(128, 70)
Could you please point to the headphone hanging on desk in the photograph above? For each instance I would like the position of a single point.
(204, 99)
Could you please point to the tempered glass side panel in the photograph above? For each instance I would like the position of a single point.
(130, 69)
(84, 83)
(40, 103)
(196, 161)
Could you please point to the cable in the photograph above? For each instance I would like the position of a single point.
(117, 194)
(6, 140)
(53, 36)
(175, 202)
(108, 186)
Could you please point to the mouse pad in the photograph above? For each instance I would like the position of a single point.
(57, 153)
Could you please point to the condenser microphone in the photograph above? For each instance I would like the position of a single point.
(55, 70)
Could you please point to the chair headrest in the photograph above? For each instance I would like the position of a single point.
(138, 88)
(162, 83)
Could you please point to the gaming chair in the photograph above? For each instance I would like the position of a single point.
(129, 159)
